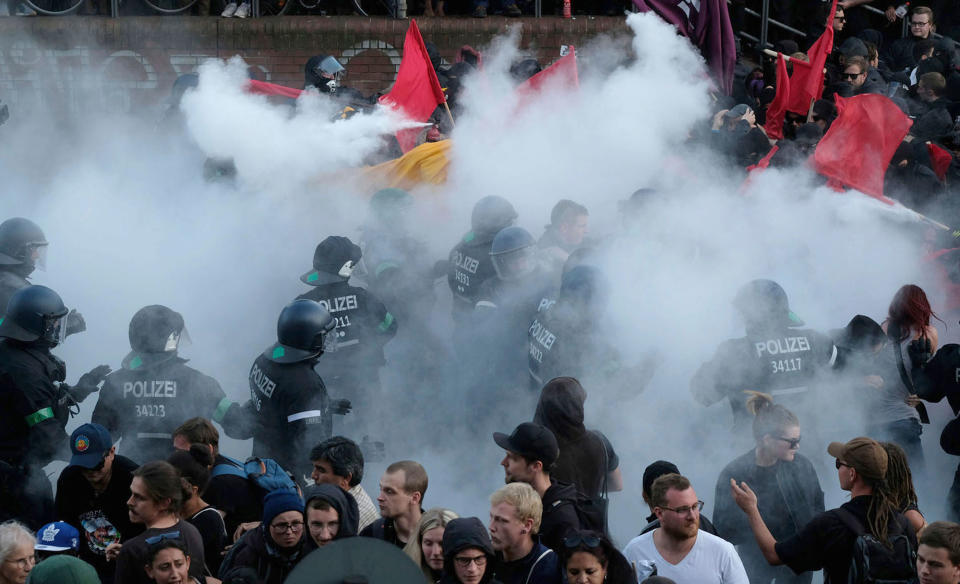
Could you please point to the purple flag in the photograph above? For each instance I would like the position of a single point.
(707, 24)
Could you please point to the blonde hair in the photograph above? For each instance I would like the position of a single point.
(431, 519)
(524, 499)
(769, 418)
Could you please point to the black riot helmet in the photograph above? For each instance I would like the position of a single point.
(491, 214)
(763, 303)
(22, 243)
(585, 286)
(334, 260)
(323, 72)
(155, 329)
(35, 313)
(305, 330)
(513, 253)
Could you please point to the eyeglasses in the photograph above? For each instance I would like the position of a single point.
(162, 536)
(840, 463)
(919, 23)
(793, 442)
(284, 527)
(850, 75)
(24, 562)
(685, 509)
(464, 562)
(576, 539)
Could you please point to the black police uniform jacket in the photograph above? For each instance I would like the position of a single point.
(363, 326)
(33, 411)
(780, 361)
(292, 411)
(149, 397)
(470, 267)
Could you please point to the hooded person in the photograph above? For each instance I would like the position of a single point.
(276, 545)
(363, 323)
(587, 458)
(468, 556)
(155, 391)
(331, 514)
(775, 356)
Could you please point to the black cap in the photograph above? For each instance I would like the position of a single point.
(531, 441)
(655, 471)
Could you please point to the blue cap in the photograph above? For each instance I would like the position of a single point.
(89, 444)
(57, 537)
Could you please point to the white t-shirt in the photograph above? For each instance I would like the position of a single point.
(711, 560)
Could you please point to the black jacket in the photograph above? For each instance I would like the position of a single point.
(470, 266)
(149, 397)
(460, 534)
(291, 406)
(33, 412)
(10, 282)
(798, 486)
(256, 551)
(560, 516)
(340, 500)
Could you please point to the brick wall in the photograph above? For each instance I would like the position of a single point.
(129, 63)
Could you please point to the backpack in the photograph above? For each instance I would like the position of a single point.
(874, 563)
(265, 473)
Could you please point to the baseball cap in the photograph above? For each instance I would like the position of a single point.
(737, 111)
(864, 454)
(64, 570)
(57, 537)
(531, 441)
(89, 443)
(656, 470)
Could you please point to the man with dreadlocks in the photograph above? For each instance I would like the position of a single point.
(828, 541)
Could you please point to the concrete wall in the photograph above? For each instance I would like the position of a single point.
(77, 62)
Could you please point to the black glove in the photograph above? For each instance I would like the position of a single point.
(920, 352)
(89, 382)
(341, 407)
(75, 323)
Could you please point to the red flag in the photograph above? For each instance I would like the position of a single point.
(562, 72)
(940, 159)
(754, 170)
(416, 92)
(806, 84)
(858, 146)
(778, 107)
(264, 88)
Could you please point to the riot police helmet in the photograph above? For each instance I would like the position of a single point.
(513, 253)
(323, 72)
(156, 329)
(35, 313)
(585, 286)
(491, 214)
(387, 206)
(764, 303)
(22, 242)
(305, 330)
(335, 260)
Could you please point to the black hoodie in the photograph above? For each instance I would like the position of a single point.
(460, 534)
(560, 516)
(342, 501)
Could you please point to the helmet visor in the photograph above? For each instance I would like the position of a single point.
(177, 339)
(37, 255)
(515, 264)
(54, 329)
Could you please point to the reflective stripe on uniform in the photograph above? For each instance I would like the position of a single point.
(833, 357)
(485, 304)
(221, 410)
(302, 415)
(790, 390)
(158, 435)
(387, 321)
(39, 416)
(347, 343)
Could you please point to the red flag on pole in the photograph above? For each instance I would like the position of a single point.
(562, 72)
(806, 84)
(416, 92)
(264, 88)
(859, 145)
(778, 107)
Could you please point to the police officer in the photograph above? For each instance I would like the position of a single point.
(155, 391)
(288, 399)
(35, 403)
(363, 324)
(775, 357)
(326, 74)
(470, 261)
(23, 249)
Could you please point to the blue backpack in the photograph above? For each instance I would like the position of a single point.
(265, 473)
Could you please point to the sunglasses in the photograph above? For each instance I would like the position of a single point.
(793, 442)
(840, 463)
(840, 18)
(591, 541)
(162, 536)
(850, 75)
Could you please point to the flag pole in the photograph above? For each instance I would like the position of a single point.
(449, 113)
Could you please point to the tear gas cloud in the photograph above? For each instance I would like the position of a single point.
(132, 222)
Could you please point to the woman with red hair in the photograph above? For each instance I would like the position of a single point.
(910, 338)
